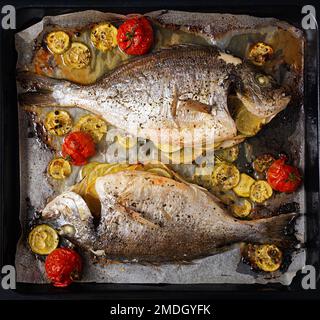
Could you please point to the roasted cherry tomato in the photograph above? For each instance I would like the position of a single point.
(283, 177)
(135, 36)
(63, 266)
(78, 146)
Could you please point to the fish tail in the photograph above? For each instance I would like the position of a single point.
(278, 230)
(39, 89)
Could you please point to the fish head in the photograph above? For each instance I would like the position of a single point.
(260, 93)
(70, 216)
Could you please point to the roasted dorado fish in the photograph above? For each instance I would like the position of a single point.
(150, 218)
(177, 95)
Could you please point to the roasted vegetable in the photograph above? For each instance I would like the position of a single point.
(93, 125)
(247, 123)
(242, 189)
(63, 266)
(78, 56)
(104, 36)
(225, 175)
(59, 168)
(86, 169)
(58, 122)
(135, 36)
(228, 154)
(266, 257)
(78, 146)
(43, 239)
(259, 53)
(260, 191)
(263, 162)
(283, 177)
(242, 208)
(58, 41)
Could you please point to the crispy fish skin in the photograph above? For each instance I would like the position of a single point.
(148, 218)
(175, 91)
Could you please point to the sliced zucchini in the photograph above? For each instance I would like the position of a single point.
(247, 123)
(104, 36)
(228, 154)
(93, 125)
(260, 191)
(259, 53)
(242, 189)
(59, 168)
(58, 122)
(262, 163)
(268, 257)
(78, 56)
(43, 239)
(225, 175)
(242, 209)
(58, 42)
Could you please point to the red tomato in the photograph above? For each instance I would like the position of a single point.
(283, 177)
(79, 146)
(63, 266)
(135, 36)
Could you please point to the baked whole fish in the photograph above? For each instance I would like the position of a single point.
(149, 218)
(177, 95)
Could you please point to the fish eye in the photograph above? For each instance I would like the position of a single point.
(262, 80)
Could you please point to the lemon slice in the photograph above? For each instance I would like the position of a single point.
(242, 189)
(59, 168)
(260, 191)
(93, 125)
(58, 41)
(247, 123)
(43, 239)
(104, 36)
(58, 122)
(78, 56)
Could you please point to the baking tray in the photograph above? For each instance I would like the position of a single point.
(9, 216)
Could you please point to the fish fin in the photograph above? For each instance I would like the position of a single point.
(34, 82)
(196, 106)
(38, 99)
(279, 230)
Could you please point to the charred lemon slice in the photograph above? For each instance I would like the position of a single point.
(268, 257)
(242, 189)
(247, 123)
(43, 239)
(127, 141)
(259, 53)
(260, 191)
(59, 168)
(58, 122)
(58, 41)
(263, 162)
(242, 209)
(78, 56)
(93, 125)
(160, 172)
(228, 154)
(104, 36)
(225, 175)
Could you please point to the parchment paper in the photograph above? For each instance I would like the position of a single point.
(36, 190)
